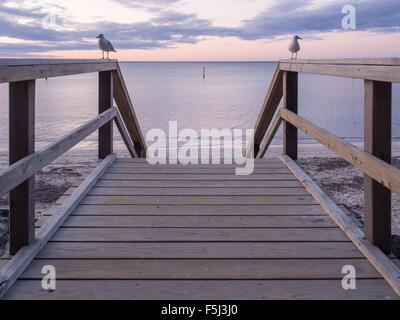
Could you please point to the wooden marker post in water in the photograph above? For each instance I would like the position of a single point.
(204, 72)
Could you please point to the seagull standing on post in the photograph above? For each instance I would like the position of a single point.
(105, 45)
(294, 46)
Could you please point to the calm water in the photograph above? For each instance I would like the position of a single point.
(229, 97)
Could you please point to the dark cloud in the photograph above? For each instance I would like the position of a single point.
(285, 18)
(170, 27)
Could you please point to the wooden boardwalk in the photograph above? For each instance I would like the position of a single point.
(199, 232)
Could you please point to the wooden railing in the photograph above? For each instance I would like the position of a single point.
(18, 178)
(375, 160)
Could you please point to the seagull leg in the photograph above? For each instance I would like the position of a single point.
(102, 54)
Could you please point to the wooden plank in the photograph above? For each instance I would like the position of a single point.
(199, 250)
(154, 234)
(198, 177)
(257, 164)
(368, 72)
(379, 260)
(270, 136)
(290, 101)
(244, 221)
(187, 210)
(271, 102)
(39, 69)
(105, 136)
(28, 166)
(353, 61)
(194, 191)
(377, 169)
(125, 106)
(10, 273)
(374, 289)
(21, 144)
(3, 263)
(188, 170)
(378, 142)
(196, 184)
(144, 160)
(215, 200)
(201, 269)
(125, 135)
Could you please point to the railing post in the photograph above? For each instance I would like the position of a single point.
(290, 97)
(377, 141)
(22, 143)
(105, 102)
(139, 149)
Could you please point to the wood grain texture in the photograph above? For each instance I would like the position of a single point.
(378, 142)
(21, 145)
(154, 234)
(13, 269)
(26, 69)
(241, 184)
(240, 239)
(187, 200)
(381, 171)
(201, 269)
(198, 177)
(111, 191)
(125, 107)
(380, 261)
(125, 135)
(189, 170)
(105, 93)
(205, 209)
(28, 166)
(290, 101)
(369, 72)
(216, 221)
(374, 289)
(199, 250)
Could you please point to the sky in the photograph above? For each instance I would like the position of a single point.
(198, 30)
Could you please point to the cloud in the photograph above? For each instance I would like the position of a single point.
(285, 18)
(169, 27)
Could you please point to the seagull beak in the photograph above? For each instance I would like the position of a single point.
(97, 37)
(300, 38)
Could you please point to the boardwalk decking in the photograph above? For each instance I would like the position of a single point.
(199, 232)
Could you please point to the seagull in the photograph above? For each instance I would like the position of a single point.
(104, 44)
(294, 46)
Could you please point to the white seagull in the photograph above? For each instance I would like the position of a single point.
(104, 44)
(294, 46)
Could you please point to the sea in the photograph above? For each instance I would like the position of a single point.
(229, 97)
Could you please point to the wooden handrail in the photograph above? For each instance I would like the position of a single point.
(18, 179)
(12, 70)
(125, 135)
(28, 166)
(376, 72)
(381, 171)
(125, 106)
(16, 266)
(380, 177)
(270, 136)
(268, 109)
